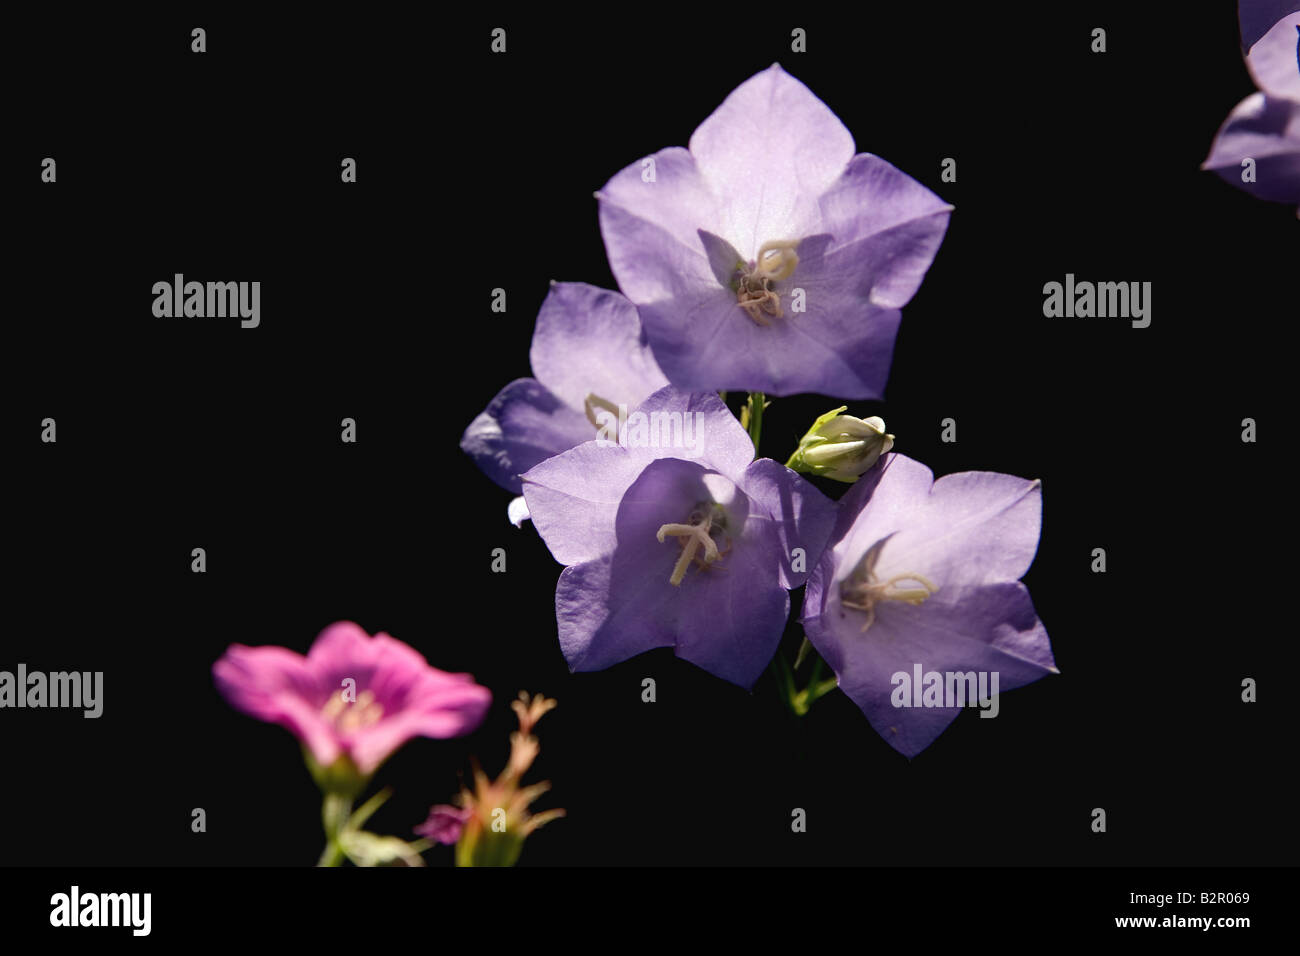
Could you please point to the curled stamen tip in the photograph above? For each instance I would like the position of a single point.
(777, 260)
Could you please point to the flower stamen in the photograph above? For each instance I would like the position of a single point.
(352, 715)
(593, 402)
(693, 536)
(862, 592)
(754, 293)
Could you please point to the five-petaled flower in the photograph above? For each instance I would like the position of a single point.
(925, 572)
(768, 256)
(665, 548)
(353, 696)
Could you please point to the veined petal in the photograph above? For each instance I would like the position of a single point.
(718, 439)
(602, 623)
(991, 628)
(573, 498)
(676, 202)
(1273, 60)
(525, 424)
(1266, 130)
(969, 528)
(589, 340)
(886, 228)
(802, 516)
(653, 266)
(732, 616)
(769, 151)
(843, 342)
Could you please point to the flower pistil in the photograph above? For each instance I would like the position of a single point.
(696, 534)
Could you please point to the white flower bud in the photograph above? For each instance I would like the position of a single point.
(841, 447)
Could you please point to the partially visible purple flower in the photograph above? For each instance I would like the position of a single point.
(769, 257)
(589, 356)
(924, 572)
(685, 543)
(1265, 126)
(352, 696)
(1257, 17)
(445, 824)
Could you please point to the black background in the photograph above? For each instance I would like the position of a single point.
(477, 171)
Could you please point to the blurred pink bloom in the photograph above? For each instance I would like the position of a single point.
(352, 695)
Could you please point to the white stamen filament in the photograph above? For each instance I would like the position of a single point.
(864, 596)
(695, 536)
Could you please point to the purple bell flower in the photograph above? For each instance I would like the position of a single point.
(674, 536)
(920, 578)
(768, 257)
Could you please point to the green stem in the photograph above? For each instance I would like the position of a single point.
(334, 815)
(816, 671)
(367, 809)
(804, 650)
(800, 702)
(757, 400)
(332, 855)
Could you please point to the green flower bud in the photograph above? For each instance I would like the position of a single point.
(840, 446)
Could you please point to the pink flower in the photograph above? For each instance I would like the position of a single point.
(352, 695)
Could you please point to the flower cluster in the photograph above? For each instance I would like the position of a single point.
(768, 257)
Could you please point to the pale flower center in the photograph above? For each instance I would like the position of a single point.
(694, 537)
(347, 716)
(862, 591)
(754, 292)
